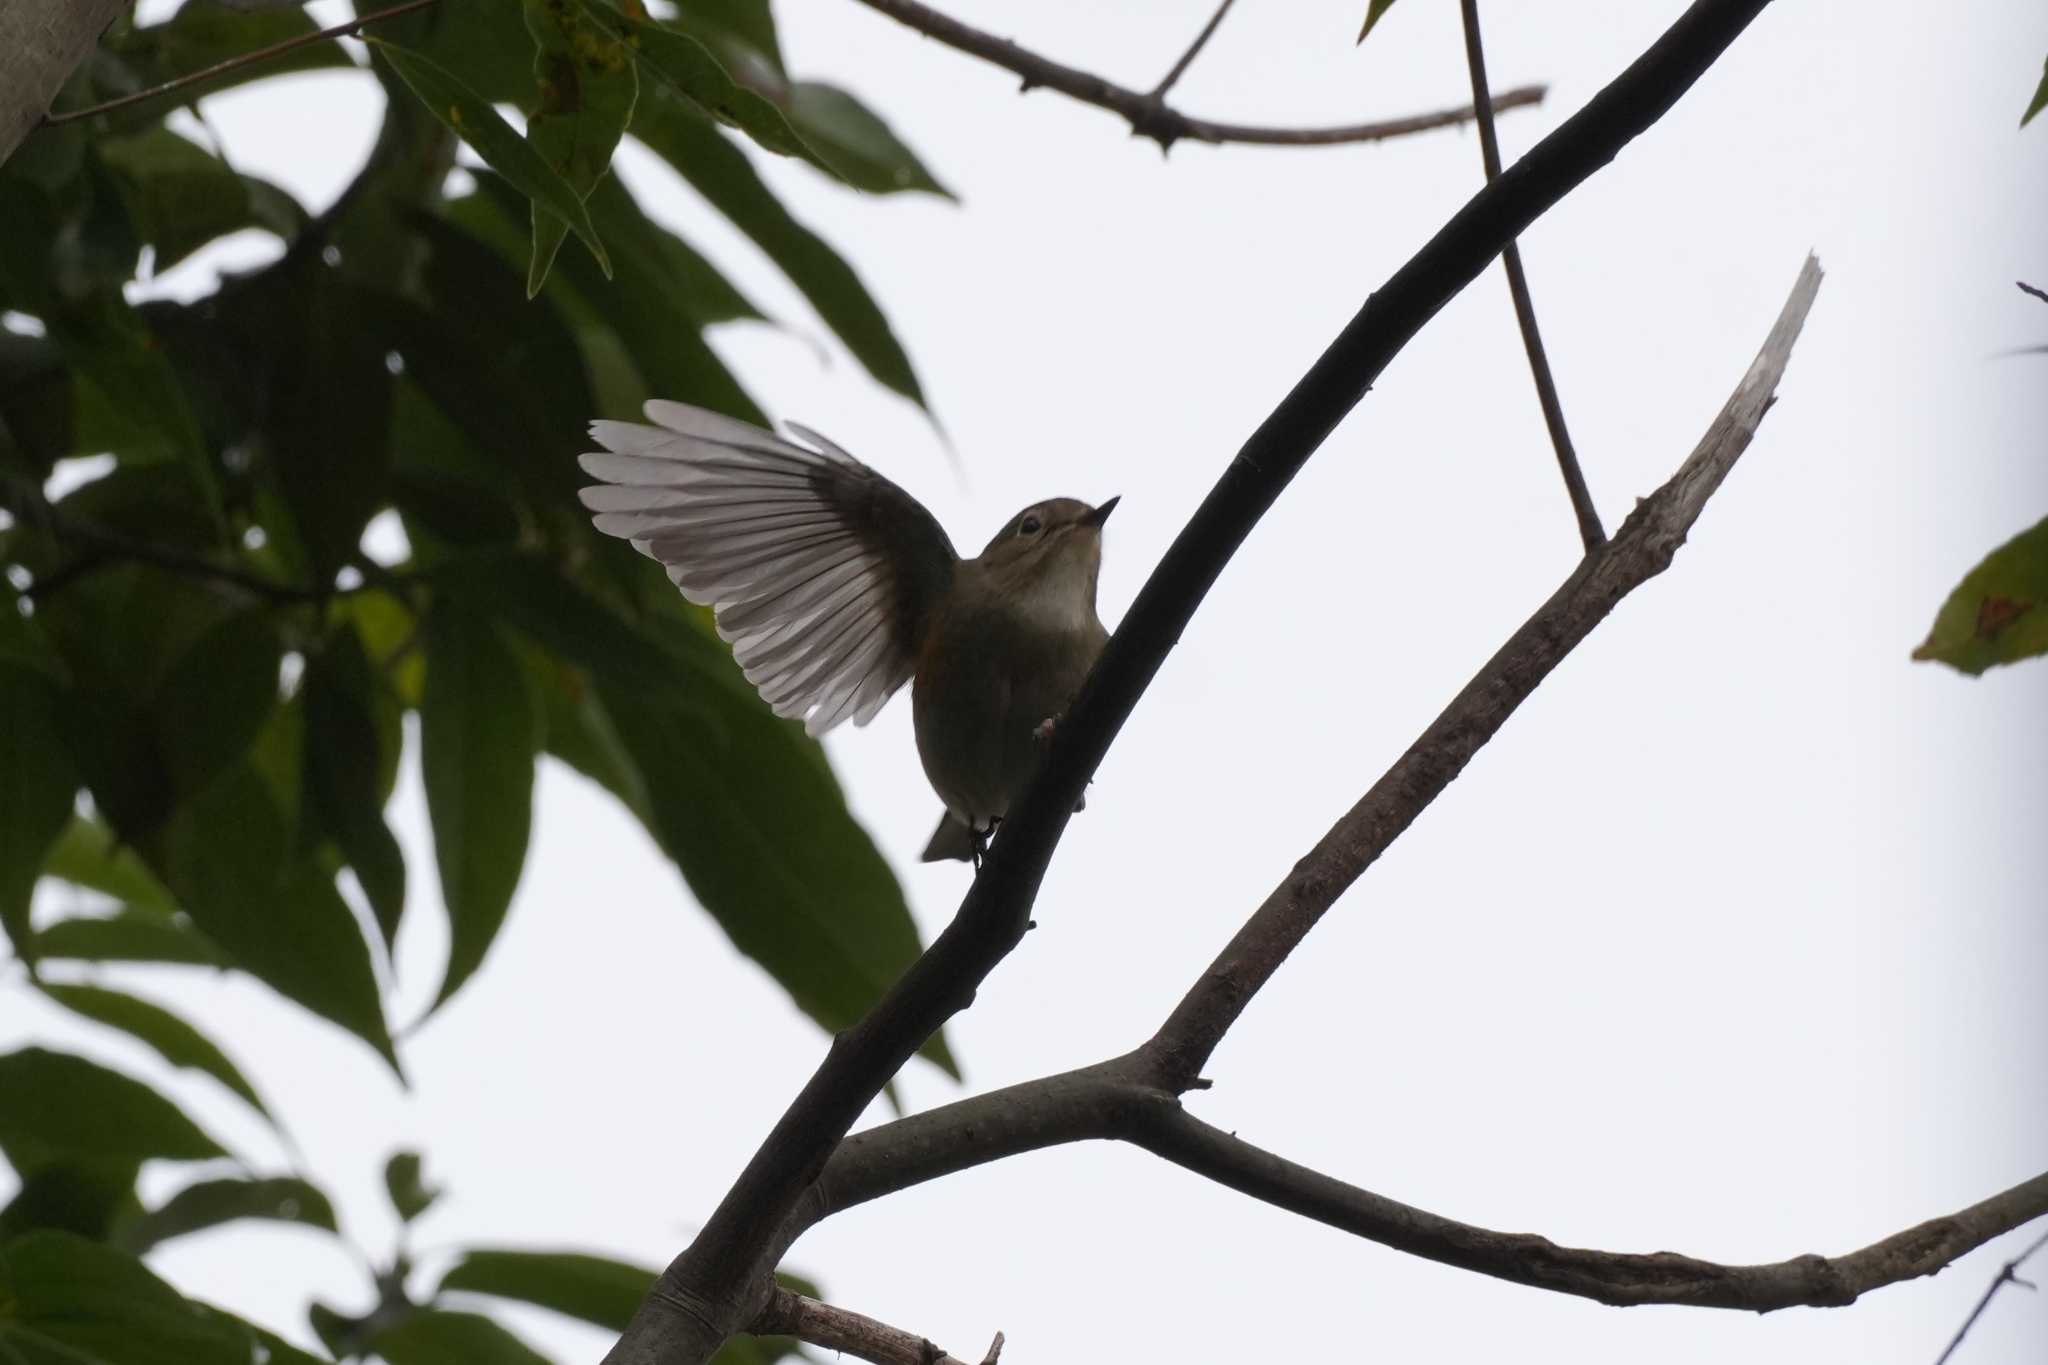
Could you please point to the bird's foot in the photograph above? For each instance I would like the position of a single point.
(981, 838)
(1043, 731)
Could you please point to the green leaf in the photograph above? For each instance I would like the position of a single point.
(864, 150)
(65, 1300)
(2040, 100)
(653, 258)
(722, 174)
(176, 1041)
(479, 732)
(686, 66)
(86, 1197)
(746, 806)
(227, 859)
(410, 1194)
(581, 735)
(181, 196)
(37, 791)
(1998, 614)
(128, 936)
(210, 1203)
(1372, 16)
(36, 400)
(587, 87)
(61, 1107)
(345, 761)
(217, 697)
(85, 853)
(47, 268)
(591, 1288)
(325, 418)
(473, 120)
(668, 351)
(434, 1336)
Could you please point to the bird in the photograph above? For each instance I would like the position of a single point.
(835, 587)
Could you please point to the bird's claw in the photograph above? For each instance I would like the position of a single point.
(1043, 731)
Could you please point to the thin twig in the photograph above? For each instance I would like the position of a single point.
(2041, 294)
(1187, 58)
(1590, 532)
(715, 1286)
(790, 1314)
(108, 548)
(261, 54)
(2007, 1273)
(1145, 112)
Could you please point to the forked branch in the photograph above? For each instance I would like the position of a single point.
(1146, 111)
(720, 1282)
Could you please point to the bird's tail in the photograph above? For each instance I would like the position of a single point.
(951, 841)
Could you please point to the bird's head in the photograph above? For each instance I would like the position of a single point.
(1047, 557)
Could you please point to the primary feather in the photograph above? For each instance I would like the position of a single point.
(821, 573)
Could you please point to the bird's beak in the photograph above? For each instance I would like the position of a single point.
(1101, 513)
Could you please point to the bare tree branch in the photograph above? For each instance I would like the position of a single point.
(791, 1314)
(2009, 1273)
(1590, 531)
(1146, 112)
(2025, 288)
(1187, 59)
(717, 1285)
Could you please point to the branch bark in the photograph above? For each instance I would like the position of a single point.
(717, 1285)
(1590, 531)
(41, 44)
(1146, 111)
(788, 1313)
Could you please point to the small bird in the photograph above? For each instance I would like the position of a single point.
(835, 587)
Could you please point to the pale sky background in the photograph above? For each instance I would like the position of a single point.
(1733, 943)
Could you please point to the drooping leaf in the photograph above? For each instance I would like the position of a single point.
(667, 349)
(473, 120)
(742, 33)
(65, 1108)
(37, 787)
(86, 854)
(128, 936)
(581, 735)
(684, 281)
(176, 1041)
(2040, 100)
(1998, 614)
(410, 1195)
(587, 83)
(862, 148)
(745, 805)
(1373, 13)
(37, 396)
(479, 733)
(71, 1301)
(686, 66)
(435, 1336)
(210, 1203)
(86, 1197)
(51, 267)
(591, 1288)
(181, 196)
(228, 860)
(325, 414)
(214, 701)
(345, 762)
(722, 174)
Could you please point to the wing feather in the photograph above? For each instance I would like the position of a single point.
(822, 574)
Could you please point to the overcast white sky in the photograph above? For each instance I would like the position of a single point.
(1733, 943)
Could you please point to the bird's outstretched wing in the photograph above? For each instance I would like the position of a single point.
(822, 574)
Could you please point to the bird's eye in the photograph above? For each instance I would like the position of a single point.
(1030, 526)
